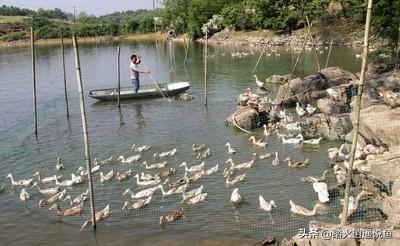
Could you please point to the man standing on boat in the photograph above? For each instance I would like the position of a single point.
(135, 60)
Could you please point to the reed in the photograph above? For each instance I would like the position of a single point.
(329, 53)
(313, 44)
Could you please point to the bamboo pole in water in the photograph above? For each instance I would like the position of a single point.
(186, 51)
(119, 75)
(259, 58)
(357, 115)
(313, 44)
(84, 128)
(329, 53)
(34, 80)
(205, 69)
(64, 74)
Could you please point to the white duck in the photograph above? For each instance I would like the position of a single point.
(57, 197)
(335, 153)
(212, 170)
(186, 196)
(165, 154)
(146, 183)
(130, 159)
(46, 179)
(299, 110)
(64, 182)
(236, 198)
(155, 165)
(48, 191)
(353, 203)
(297, 209)
(230, 150)
(95, 168)
(140, 194)
(148, 176)
(195, 168)
(141, 203)
(296, 140)
(275, 161)
(22, 182)
(266, 132)
(235, 180)
(123, 175)
(181, 189)
(310, 109)
(264, 205)
(258, 82)
(141, 148)
(78, 199)
(24, 195)
(258, 143)
(313, 141)
(166, 193)
(264, 156)
(59, 164)
(244, 165)
(197, 199)
(107, 177)
(313, 179)
(322, 189)
(295, 126)
(100, 215)
(334, 94)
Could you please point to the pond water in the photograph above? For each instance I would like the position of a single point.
(160, 123)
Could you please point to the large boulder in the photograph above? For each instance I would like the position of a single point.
(334, 127)
(337, 76)
(329, 106)
(289, 97)
(277, 79)
(245, 118)
(379, 125)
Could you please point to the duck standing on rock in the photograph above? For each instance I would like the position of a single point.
(299, 110)
(353, 203)
(310, 109)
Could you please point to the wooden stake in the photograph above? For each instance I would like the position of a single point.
(398, 49)
(259, 58)
(357, 115)
(85, 129)
(313, 44)
(205, 69)
(64, 74)
(119, 75)
(329, 53)
(34, 80)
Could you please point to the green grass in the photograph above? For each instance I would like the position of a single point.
(12, 19)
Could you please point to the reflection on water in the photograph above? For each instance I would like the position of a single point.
(160, 123)
(139, 117)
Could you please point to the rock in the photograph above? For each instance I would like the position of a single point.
(376, 69)
(289, 92)
(394, 241)
(391, 207)
(245, 118)
(386, 167)
(309, 84)
(379, 125)
(277, 79)
(329, 106)
(337, 76)
(334, 127)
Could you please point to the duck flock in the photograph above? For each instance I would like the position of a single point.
(158, 174)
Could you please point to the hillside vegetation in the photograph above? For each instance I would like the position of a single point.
(189, 16)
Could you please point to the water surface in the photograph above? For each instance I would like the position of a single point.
(164, 125)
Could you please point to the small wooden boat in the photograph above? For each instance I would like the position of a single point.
(145, 91)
